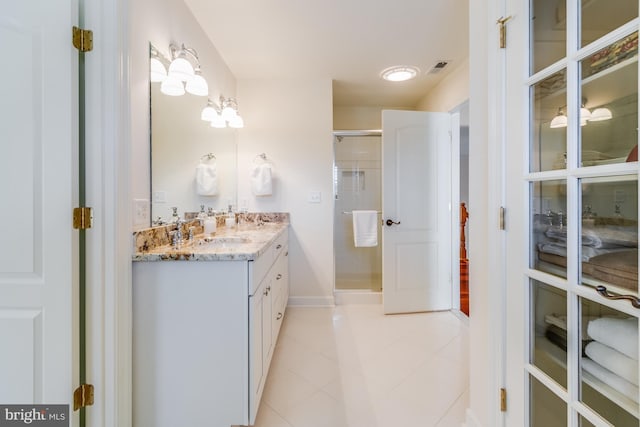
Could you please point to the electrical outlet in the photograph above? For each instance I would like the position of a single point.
(141, 212)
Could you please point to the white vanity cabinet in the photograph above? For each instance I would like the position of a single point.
(204, 335)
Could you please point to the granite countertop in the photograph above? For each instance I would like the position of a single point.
(242, 242)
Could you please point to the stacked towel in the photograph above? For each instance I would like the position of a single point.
(365, 228)
(206, 180)
(617, 333)
(261, 180)
(613, 355)
(609, 378)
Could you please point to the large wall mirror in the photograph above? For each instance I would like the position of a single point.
(180, 141)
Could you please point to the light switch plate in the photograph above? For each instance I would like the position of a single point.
(159, 197)
(314, 197)
(141, 212)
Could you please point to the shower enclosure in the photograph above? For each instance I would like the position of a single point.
(357, 185)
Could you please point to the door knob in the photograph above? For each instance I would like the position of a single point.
(390, 222)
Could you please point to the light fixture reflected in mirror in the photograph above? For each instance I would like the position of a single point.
(598, 115)
(172, 86)
(223, 114)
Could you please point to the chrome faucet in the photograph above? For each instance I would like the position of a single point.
(177, 235)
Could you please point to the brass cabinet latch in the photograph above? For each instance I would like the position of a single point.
(82, 218)
(83, 396)
(82, 39)
(503, 400)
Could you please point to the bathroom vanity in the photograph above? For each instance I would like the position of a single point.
(206, 318)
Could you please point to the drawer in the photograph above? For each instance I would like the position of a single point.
(260, 266)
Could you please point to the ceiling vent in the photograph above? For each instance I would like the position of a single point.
(438, 67)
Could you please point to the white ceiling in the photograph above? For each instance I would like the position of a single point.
(349, 41)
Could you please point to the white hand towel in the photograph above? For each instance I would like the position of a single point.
(613, 360)
(365, 228)
(206, 180)
(261, 182)
(612, 380)
(620, 334)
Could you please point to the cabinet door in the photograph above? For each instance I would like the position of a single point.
(256, 371)
(579, 242)
(267, 339)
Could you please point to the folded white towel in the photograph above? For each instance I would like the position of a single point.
(612, 380)
(261, 182)
(613, 360)
(365, 228)
(207, 179)
(618, 333)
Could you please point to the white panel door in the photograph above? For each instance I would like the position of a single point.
(416, 187)
(37, 128)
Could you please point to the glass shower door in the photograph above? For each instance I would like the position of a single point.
(357, 186)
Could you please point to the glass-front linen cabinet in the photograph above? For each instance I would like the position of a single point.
(582, 182)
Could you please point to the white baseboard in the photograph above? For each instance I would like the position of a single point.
(311, 302)
(357, 297)
(471, 420)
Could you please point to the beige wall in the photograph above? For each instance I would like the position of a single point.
(290, 121)
(452, 91)
(357, 118)
(161, 25)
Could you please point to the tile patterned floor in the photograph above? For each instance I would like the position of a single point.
(352, 366)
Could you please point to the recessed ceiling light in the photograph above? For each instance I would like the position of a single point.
(400, 73)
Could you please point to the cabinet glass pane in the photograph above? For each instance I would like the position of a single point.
(609, 237)
(548, 123)
(546, 409)
(609, 365)
(549, 331)
(549, 223)
(548, 33)
(609, 119)
(602, 16)
(585, 423)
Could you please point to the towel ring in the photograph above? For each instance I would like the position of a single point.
(262, 156)
(208, 156)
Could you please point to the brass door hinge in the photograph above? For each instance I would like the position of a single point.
(82, 218)
(82, 39)
(501, 218)
(503, 400)
(83, 396)
(503, 31)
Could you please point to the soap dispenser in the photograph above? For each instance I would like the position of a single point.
(202, 216)
(230, 220)
(210, 223)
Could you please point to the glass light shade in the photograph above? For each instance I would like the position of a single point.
(236, 122)
(181, 69)
(228, 113)
(197, 85)
(208, 113)
(158, 72)
(172, 86)
(584, 115)
(399, 73)
(559, 121)
(600, 114)
(218, 122)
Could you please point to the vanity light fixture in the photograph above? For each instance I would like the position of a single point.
(400, 73)
(598, 115)
(181, 76)
(222, 115)
(559, 121)
(157, 65)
